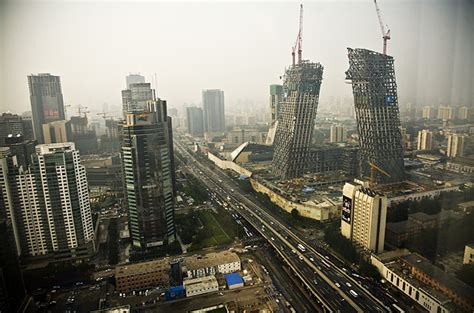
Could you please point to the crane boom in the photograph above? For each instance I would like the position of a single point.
(385, 32)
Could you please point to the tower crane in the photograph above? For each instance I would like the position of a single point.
(299, 40)
(385, 32)
(83, 110)
(373, 169)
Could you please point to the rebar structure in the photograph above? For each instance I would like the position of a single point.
(301, 86)
(376, 106)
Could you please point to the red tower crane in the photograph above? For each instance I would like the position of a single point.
(299, 40)
(385, 32)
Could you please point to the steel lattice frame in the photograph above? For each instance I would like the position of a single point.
(376, 106)
(294, 133)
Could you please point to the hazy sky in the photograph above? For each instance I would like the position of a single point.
(240, 47)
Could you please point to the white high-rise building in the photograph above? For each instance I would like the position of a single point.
(463, 113)
(445, 113)
(338, 134)
(455, 146)
(136, 97)
(50, 202)
(364, 214)
(428, 112)
(425, 140)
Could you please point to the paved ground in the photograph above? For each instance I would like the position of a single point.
(248, 297)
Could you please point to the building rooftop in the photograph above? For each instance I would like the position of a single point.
(424, 265)
(142, 268)
(210, 259)
(401, 271)
(199, 283)
(233, 279)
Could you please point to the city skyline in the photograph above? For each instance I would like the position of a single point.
(273, 26)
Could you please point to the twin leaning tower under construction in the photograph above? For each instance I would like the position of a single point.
(376, 106)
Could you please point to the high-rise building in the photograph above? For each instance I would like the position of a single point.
(463, 113)
(48, 203)
(136, 97)
(134, 79)
(147, 156)
(425, 140)
(46, 101)
(428, 112)
(455, 146)
(376, 105)
(57, 132)
(213, 109)
(364, 215)
(12, 124)
(293, 136)
(445, 113)
(276, 97)
(195, 121)
(337, 134)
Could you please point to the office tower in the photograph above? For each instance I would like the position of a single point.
(46, 101)
(376, 105)
(455, 146)
(213, 109)
(425, 140)
(195, 121)
(22, 148)
(293, 136)
(428, 112)
(134, 79)
(12, 124)
(276, 97)
(57, 132)
(338, 134)
(48, 203)
(364, 215)
(148, 172)
(445, 113)
(463, 113)
(136, 96)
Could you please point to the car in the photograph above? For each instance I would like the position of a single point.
(273, 239)
(348, 285)
(220, 294)
(311, 259)
(338, 285)
(301, 258)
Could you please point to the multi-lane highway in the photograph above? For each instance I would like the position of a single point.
(324, 276)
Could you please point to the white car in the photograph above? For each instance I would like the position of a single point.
(338, 285)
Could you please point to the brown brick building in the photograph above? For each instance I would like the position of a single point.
(143, 275)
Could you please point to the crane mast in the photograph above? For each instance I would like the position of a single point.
(299, 40)
(385, 32)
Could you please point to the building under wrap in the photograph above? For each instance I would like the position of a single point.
(376, 106)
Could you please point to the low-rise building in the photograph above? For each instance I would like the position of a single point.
(468, 254)
(212, 263)
(234, 281)
(143, 275)
(423, 270)
(200, 285)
